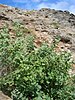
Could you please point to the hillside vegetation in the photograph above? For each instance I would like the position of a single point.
(31, 73)
(37, 54)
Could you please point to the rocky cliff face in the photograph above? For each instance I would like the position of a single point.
(44, 23)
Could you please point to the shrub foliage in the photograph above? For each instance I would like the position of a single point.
(33, 73)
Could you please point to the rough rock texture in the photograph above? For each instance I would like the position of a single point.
(4, 97)
(45, 24)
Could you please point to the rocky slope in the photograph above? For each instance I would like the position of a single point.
(45, 24)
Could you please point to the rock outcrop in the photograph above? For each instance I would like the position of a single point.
(4, 97)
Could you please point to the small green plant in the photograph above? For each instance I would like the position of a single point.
(4, 46)
(30, 12)
(55, 24)
(20, 29)
(12, 50)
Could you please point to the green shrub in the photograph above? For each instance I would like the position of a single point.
(13, 49)
(55, 24)
(37, 74)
